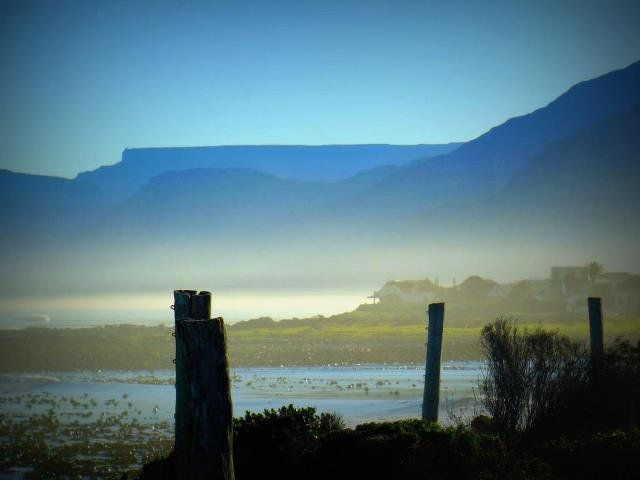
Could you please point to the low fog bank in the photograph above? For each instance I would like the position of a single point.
(555, 187)
(296, 259)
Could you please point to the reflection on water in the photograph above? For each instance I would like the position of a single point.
(153, 308)
(114, 422)
(359, 393)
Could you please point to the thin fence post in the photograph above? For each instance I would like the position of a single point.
(204, 413)
(596, 330)
(431, 395)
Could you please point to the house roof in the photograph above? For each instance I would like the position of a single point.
(412, 286)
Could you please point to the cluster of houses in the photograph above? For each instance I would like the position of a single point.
(566, 286)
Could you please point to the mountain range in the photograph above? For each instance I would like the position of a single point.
(560, 182)
(324, 163)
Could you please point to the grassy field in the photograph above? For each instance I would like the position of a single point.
(370, 334)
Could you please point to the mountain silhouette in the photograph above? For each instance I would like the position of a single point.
(312, 163)
(484, 165)
(561, 179)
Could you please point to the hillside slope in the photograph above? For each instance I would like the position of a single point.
(483, 166)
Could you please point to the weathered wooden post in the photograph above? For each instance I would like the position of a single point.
(182, 311)
(431, 395)
(204, 415)
(595, 327)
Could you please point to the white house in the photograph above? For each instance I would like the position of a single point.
(407, 291)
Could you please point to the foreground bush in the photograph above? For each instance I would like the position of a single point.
(275, 443)
(540, 384)
(296, 443)
(540, 388)
(410, 449)
(610, 455)
(271, 444)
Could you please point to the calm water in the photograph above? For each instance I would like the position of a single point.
(153, 308)
(358, 393)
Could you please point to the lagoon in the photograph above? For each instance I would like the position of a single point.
(116, 421)
(359, 393)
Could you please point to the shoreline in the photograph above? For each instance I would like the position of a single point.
(303, 343)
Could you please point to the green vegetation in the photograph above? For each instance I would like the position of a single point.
(292, 443)
(382, 333)
(555, 414)
(299, 443)
(540, 384)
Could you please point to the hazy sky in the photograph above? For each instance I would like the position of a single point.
(82, 80)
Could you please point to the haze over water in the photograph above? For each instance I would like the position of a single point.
(153, 308)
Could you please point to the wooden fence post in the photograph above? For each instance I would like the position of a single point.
(182, 311)
(595, 327)
(431, 395)
(204, 413)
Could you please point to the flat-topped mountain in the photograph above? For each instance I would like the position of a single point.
(561, 179)
(313, 163)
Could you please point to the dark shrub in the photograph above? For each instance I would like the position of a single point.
(274, 444)
(613, 454)
(271, 444)
(541, 384)
(482, 424)
(529, 376)
(161, 469)
(613, 399)
(504, 386)
(415, 449)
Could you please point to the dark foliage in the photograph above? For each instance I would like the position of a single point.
(539, 384)
(613, 397)
(556, 413)
(614, 454)
(298, 443)
(160, 469)
(275, 443)
(271, 444)
(415, 449)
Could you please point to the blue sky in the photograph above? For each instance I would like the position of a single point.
(82, 80)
